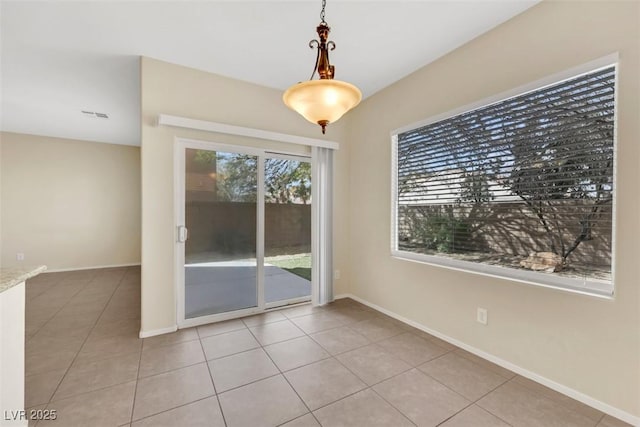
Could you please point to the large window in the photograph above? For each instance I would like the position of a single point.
(521, 188)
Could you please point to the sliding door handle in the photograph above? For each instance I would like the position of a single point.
(183, 234)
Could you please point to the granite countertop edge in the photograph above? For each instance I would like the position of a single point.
(12, 276)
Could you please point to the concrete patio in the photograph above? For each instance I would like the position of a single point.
(218, 287)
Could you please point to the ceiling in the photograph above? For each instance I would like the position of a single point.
(59, 58)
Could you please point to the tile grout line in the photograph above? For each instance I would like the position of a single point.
(469, 406)
(330, 356)
(137, 420)
(85, 340)
(213, 383)
(297, 418)
(545, 396)
(370, 387)
(341, 352)
(53, 286)
(51, 318)
(367, 386)
(162, 373)
(60, 282)
(59, 310)
(89, 391)
(392, 405)
(540, 395)
(466, 398)
(473, 402)
(251, 382)
(207, 361)
(386, 379)
(449, 351)
(135, 389)
(353, 373)
(282, 373)
(48, 404)
(172, 369)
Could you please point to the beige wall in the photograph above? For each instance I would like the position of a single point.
(69, 204)
(589, 344)
(181, 91)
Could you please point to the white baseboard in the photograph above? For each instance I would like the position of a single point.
(154, 332)
(95, 267)
(574, 394)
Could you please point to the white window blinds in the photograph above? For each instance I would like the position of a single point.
(525, 184)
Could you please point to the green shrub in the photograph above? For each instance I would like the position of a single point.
(443, 233)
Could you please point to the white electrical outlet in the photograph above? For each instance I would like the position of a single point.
(20, 256)
(336, 275)
(482, 316)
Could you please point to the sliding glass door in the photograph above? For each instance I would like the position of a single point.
(287, 225)
(244, 231)
(221, 208)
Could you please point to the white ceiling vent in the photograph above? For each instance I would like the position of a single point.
(93, 114)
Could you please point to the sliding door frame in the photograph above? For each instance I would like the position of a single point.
(180, 147)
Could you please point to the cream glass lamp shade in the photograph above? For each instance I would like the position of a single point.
(322, 101)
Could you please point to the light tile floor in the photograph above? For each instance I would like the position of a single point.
(341, 365)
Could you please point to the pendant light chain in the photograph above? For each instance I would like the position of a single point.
(324, 4)
(316, 43)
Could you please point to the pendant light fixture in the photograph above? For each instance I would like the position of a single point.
(322, 101)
